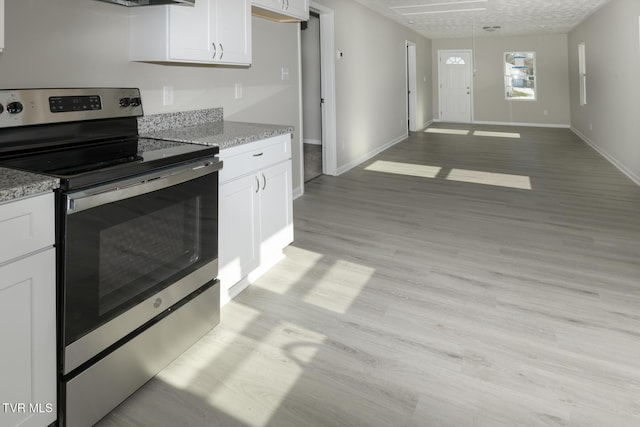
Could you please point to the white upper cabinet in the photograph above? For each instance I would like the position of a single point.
(1, 25)
(212, 31)
(282, 10)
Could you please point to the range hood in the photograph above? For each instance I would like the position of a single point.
(150, 2)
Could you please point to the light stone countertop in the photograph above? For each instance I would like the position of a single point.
(224, 134)
(15, 184)
(205, 127)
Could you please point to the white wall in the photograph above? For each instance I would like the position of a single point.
(62, 43)
(490, 104)
(371, 81)
(611, 119)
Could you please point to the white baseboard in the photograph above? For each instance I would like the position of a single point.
(298, 192)
(622, 168)
(370, 154)
(483, 122)
(312, 141)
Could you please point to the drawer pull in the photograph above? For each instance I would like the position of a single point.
(258, 154)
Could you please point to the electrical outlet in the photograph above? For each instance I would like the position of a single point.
(167, 95)
(285, 74)
(238, 90)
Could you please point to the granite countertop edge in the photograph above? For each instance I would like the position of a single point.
(224, 134)
(15, 184)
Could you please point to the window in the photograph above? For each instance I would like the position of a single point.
(582, 72)
(454, 60)
(520, 75)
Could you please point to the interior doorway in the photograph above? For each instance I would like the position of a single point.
(455, 84)
(311, 97)
(327, 102)
(412, 119)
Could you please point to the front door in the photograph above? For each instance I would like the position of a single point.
(455, 84)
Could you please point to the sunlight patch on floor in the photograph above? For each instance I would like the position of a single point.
(522, 182)
(410, 169)
(182, 375)
(268, 373)
(514, 135)
(339, 286)
(287, 279)
(448, 131)
(490, 178)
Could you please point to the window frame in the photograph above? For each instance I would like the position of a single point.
(506, 76)
(582, 72)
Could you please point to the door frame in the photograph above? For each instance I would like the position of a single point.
(328, 91)
(471, 76)
(412, 85)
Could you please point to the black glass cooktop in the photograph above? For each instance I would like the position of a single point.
(87, 164)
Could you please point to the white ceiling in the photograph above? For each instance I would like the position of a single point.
(515, 17)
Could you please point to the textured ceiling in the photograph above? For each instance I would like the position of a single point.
(515, 17)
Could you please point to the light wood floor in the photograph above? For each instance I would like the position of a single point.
(417, 301)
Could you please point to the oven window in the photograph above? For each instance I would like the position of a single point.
(144, 250)
(119, 254)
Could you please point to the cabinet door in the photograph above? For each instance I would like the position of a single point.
(274, 5)
(238, 250)
(28, 350)
(190, 32)
(281, 9)
(231, 31)
(298, 9)
(276, 210)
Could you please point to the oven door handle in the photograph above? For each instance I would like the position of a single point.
(120, 190)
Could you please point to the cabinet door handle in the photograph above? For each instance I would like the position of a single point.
(257, 183)
(265, 182)
(215, 50)
(258, 154)
(221, 51)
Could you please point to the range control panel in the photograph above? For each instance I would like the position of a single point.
(24, 107)
(62, 104)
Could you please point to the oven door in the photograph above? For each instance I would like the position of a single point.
(131, 250)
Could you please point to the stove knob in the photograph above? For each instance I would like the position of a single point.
(135, 102)
(125, 102)
(1, 108)
(14, 108)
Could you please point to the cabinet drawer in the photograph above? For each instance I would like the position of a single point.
(26, 225)
(248, 158)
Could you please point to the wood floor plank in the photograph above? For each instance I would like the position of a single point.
(427, 301)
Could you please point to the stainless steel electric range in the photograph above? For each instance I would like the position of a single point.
(136, 238)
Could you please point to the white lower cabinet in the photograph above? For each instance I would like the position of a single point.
(28, 320)
(239, 225)
(256, 211)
